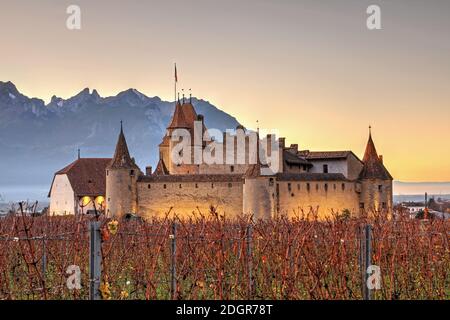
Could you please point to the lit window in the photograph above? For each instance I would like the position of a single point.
(100, 201)
(85, 201)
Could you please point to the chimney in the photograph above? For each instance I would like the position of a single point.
(381, 158)
(148, 170)
(295, 147)
(282, 142)
(269, 145)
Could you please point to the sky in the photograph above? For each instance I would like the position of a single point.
(310, 69)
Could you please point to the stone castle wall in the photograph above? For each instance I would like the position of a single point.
(156, 198)
(326, 197)
(264, 197)
(376, 194)
(121, 197)
(259, 197)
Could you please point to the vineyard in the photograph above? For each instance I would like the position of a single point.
(210, 257)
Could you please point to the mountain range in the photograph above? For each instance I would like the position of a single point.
(37, 139)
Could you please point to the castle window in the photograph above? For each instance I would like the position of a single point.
(212, 185)
(343, 186)
(383, 205)
(334, 186)
(164, 186)
(196, 185)
(271, 182)
(325, 168)
(380, 188)
(131, 172)
(326, 186)
(361, 205)
(107, 172)
(289, 186)
(298, 186)
(149, 186)
(292, 194)
(317, 187)
(180, 185)
(232, 168)
(230, 185)
(308, 187)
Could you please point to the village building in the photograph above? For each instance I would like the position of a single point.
(303, 181)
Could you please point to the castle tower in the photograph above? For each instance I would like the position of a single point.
(121, 178)
(259, 196)
(376, 181)
(184, 117)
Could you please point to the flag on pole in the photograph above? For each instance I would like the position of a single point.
(176, 76)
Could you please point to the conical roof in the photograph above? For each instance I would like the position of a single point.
(373, 166)
(122, 159)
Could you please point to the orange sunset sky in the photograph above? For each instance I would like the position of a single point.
(310, 69)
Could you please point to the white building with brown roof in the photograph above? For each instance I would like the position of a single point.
(79, 187)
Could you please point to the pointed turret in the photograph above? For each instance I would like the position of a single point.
(373, 165)
(121, 181)
(122, 159)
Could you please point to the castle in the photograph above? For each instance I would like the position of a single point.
(267, 181)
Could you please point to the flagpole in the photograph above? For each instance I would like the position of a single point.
(175, 93)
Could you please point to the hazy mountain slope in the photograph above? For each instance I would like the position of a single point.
(38, 139)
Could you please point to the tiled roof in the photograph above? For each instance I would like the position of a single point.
(87, 176)
(178, 118)
(291, 158)
(373, 167)
(189, 113)
(192, 178)
(161, 168)
(122, 159)
(316, 155)
(307, 176)
(165, 141)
